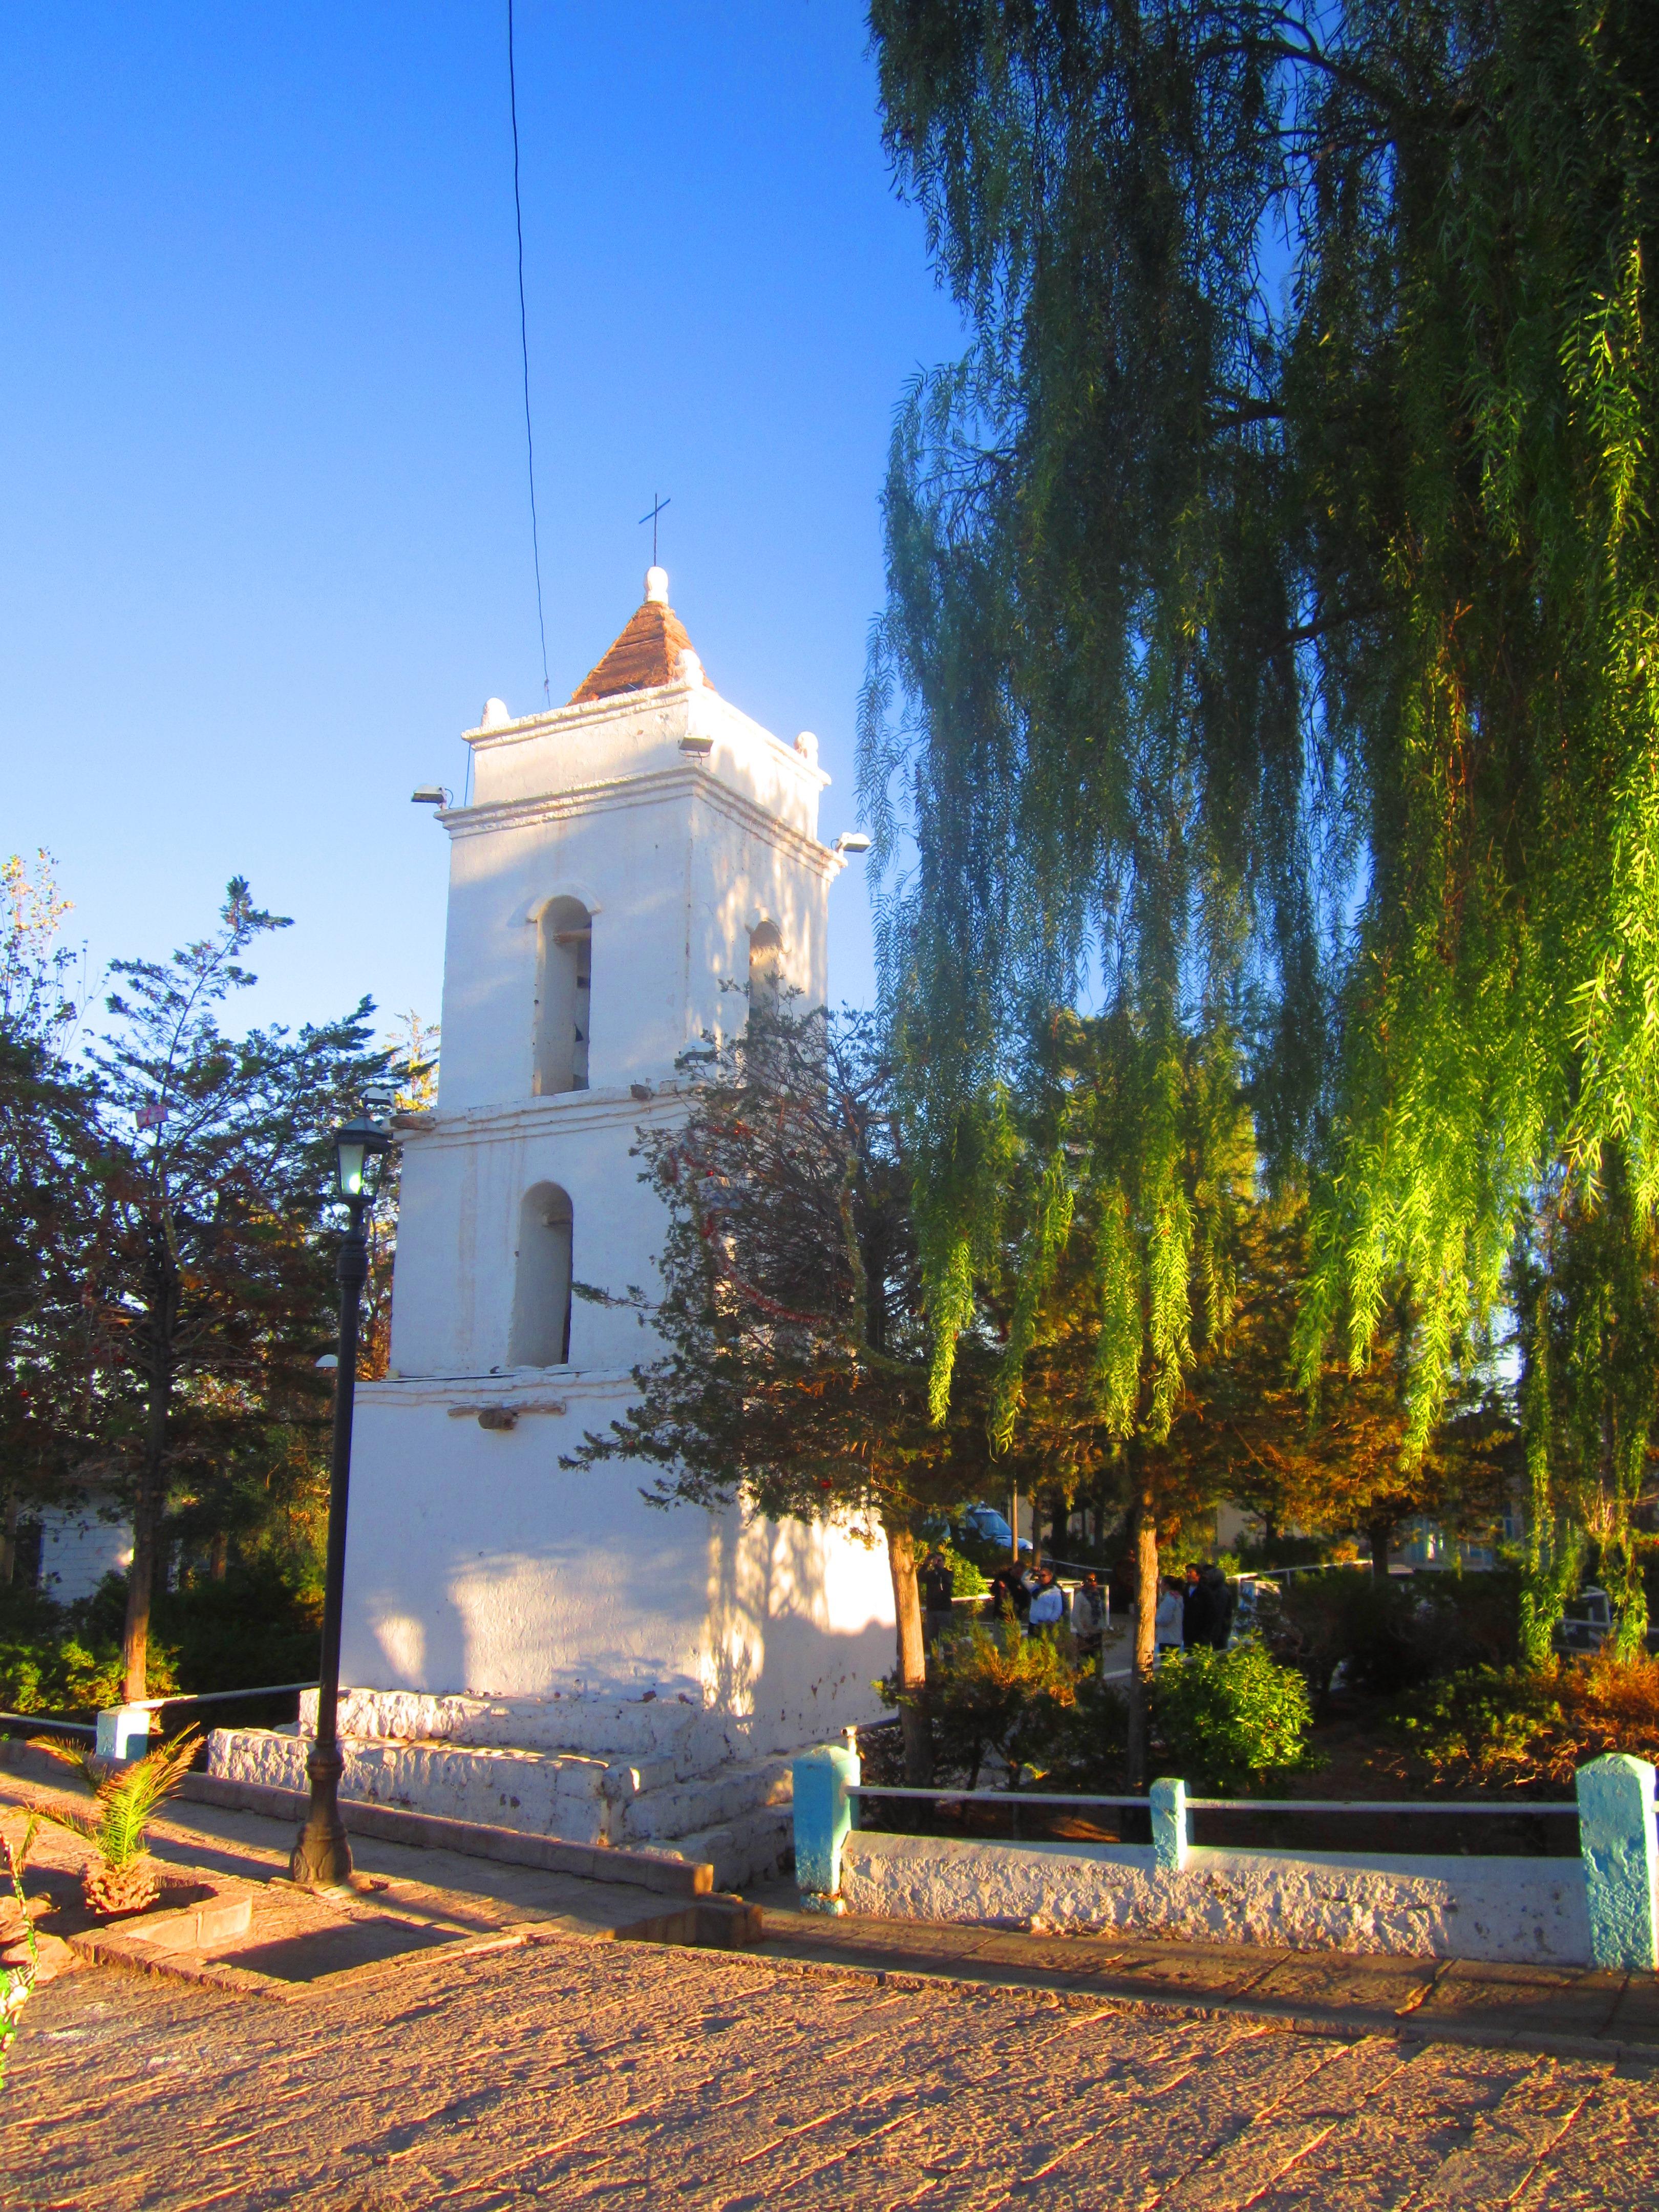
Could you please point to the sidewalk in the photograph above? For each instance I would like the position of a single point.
(1566, 2011)
(406, 1901)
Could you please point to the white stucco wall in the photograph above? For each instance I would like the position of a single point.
(1514, 1909)
(78, 1549)
(476, 1562)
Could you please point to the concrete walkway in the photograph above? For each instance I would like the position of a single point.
(1572, 2012)
(421, 1898)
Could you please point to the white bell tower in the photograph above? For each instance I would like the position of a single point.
(625, 859)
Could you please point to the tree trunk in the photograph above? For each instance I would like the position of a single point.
(918, 1735)
(8, 1537)
(1140, 1679)
(149, 1492)
(1379, 1534)
(219, 1555)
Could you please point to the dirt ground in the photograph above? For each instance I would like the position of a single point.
(582, 2074)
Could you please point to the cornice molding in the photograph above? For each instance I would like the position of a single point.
(547, 1390)
(624, 706)
(564, 1111)
(656, 787)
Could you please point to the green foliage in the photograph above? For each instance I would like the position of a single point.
(1585, 1282)
(993, 1688)
(1229, 1719)
(1389, 1633)
(966, 1578)
(1088, 1748)
(1531, 1727)
(251, 1628)
(1279, 650)
(797, 1370)
(67, 1660)
(211, 1291)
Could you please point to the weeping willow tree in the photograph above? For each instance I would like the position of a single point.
(1272, 605)
(1586, 1285)
(1129, 1160)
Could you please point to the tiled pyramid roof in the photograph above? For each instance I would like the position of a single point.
(647, 652)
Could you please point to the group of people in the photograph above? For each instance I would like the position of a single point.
(1038, 1602)
(1196, 1610)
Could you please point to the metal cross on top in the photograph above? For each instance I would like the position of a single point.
(657, 506)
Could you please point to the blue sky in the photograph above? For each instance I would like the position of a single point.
(267, 545)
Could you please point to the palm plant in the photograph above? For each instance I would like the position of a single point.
(120, 1879)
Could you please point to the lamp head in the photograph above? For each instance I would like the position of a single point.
(359, 1149)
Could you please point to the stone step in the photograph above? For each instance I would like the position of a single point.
(669, 1726)
(672, 1809)
(543, 1794)
(751, 1848)
(630, 1804)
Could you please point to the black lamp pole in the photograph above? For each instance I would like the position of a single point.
(322, 1856)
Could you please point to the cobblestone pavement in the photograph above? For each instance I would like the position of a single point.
(601, 2074)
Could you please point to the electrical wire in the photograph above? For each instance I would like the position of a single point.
(524, 351)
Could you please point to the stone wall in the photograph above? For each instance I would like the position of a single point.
(1513, 1908)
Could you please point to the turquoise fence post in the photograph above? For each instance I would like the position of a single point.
(1169, 1824)
(1616, 1839)
(824, 1814)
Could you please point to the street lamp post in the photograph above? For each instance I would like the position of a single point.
(322, 1856)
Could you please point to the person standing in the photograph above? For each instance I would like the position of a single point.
(1048, 1605)
(938, 1586)
(1172, 1613)
(1220, 1596)
(1195, 1612)
(1088, 1618)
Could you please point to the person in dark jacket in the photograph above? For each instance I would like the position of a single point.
(1220, 1598)
(1195, 1610)
(936, 1584)
(1008, 1587)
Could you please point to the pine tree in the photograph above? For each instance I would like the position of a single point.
(45, 1220)
(210, 1286)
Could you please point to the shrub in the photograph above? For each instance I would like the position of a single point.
(251, 1628)
(966, 1580)
(992, 1688)
(1091, 1742)
(1391, 1632)
(1509, 1728)
(1230, 1718)
(55, 1659)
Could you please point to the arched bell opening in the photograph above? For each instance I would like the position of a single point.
(541, 1281)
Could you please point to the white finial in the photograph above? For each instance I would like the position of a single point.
(807, 747)
(656, 585)
(496, 715)
(690, 667)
